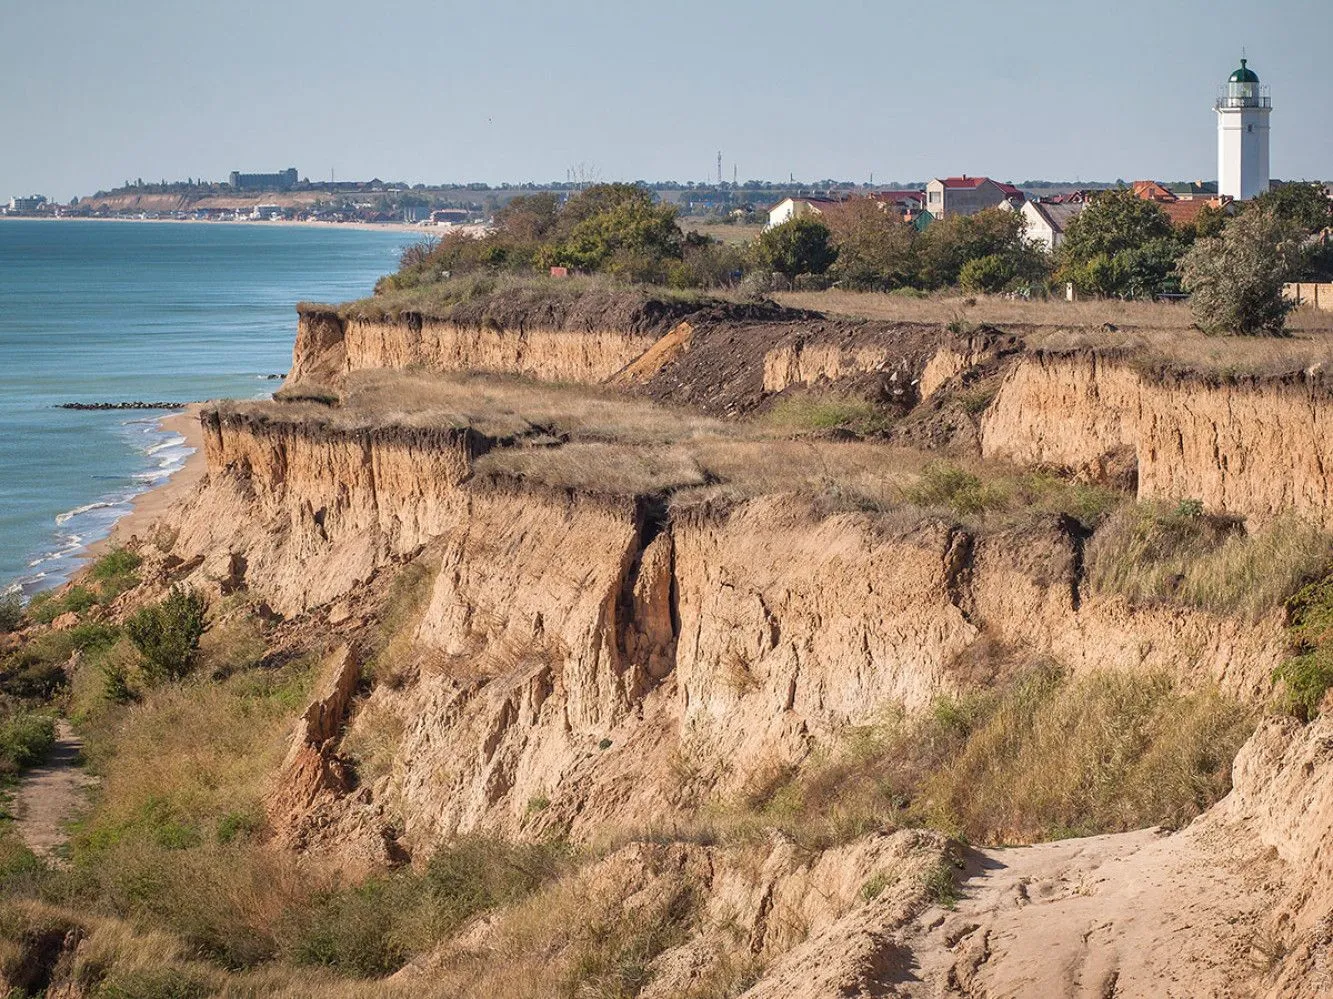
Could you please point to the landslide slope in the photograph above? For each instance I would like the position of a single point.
(722, 628)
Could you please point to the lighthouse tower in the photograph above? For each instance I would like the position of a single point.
(1242, 135)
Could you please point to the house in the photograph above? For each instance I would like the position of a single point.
(1182, 212)
(797, 208)
(1047, 221)
(31, 203)
(967, 195)
(1150, 190)
(904, 203)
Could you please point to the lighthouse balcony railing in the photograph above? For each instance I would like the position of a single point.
(1243, 102)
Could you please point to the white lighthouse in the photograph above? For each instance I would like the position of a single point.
(1242, 135)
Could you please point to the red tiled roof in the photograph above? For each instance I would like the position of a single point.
(1150, 190)
(1183, 213)
(972, 183)
(968, 182)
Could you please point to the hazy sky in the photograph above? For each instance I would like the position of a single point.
(96, 92)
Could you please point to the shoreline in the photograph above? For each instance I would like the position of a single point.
(148, 506)
(408, 227)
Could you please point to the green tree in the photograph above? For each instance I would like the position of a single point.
(876, 249)
(167, 634)
(949, 244)
(987, 274)
(617, 227)
(1120, 244)
(797, 246)
(1235, 280)
(1304, 208)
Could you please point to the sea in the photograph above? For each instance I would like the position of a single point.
(139, 311)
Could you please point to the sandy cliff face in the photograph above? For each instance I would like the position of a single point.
(591, 658)
(1252, 447)
(303, 511)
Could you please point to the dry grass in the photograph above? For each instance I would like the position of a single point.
(1043, 756)
(1153, 554)
(1155, 333)
(1000, 310)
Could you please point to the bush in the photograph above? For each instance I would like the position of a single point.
(11, 612)
(1235, 280)
(1308, 674)
(988, 274)
(114, 573)
(25, 740)
(167, 634)
(797, 246)
(46, 607)
(943, 484)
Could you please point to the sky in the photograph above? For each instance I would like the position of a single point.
(512, 90)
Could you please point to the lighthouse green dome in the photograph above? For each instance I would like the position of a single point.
(1244, 74)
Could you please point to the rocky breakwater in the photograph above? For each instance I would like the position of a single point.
(1249, 445)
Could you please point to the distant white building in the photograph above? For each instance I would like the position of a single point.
(29, 204)
(1046, 221)
(1242, 136)
(797, 208)
(966, 195)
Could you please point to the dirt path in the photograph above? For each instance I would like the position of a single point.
(52, 794)
(1131, 915)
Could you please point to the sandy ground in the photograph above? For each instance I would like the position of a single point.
(52, 794)
(369, 226)
(1142, 914)
(150, 505)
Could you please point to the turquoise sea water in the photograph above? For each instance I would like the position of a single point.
(107, 312)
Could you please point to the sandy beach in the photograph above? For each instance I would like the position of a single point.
(150, 505)
(421, 230)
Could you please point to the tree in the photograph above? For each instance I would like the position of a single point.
(1120, 244)
(614, 226)
(947, 246)
(987, 274)
(1304, 208)
(1112, 222)
(167, 634)
(1235, 280)
(797, 246)
(876, 248)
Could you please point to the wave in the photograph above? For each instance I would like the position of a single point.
(175, 440)
(164, 452)
(68, 515)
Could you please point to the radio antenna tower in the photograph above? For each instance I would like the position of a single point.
(719, 168)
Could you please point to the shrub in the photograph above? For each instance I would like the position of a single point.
(46, 607)
(943, 484)
(991, 273)
(797, 246)
(114, 573)
(1309, 673)
(11, 612)
(1235, 280)
(25, 740)
(167, 634)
